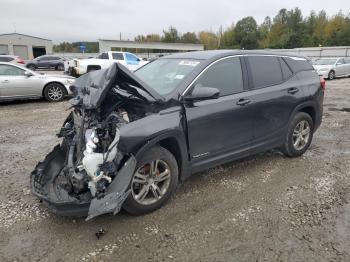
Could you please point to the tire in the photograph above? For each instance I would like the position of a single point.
(31, 67)
(135, 204)
(54, 92)
(59, 67)
(331, 75)
(290, 147)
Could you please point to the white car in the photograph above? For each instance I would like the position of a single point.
(332, 67)
(13, 59)
(78, 67)
(18, 82)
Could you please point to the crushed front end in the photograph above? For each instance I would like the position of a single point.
(86, 174)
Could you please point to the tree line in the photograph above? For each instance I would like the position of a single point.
(288, 29)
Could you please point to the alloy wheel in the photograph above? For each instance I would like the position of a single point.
(55, 93)
(151, 182)
(301, 135)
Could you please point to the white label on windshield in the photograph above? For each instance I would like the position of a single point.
(188, 63)
(179, 76)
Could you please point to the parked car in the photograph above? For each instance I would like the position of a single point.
(78, 67)
(13, 59)
(18, 82)
(333, 67)
(46, 62)
(133, 136)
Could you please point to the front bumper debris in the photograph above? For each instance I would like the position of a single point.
(59, 202)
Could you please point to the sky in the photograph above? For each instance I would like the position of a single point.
(89, 20)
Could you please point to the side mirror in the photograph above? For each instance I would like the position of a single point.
(28, 74)
(202, 93)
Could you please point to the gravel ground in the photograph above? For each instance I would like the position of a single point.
(262, 208)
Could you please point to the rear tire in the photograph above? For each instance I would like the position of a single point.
(299, 135)
(31, 67)
(165, 179)
(60, 67)
(54, 92)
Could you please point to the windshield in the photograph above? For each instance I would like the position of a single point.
(325, 61)
(164, 75)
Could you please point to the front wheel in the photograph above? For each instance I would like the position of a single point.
(153, 183)
(54, 92)
(299, 135)
(331, 75)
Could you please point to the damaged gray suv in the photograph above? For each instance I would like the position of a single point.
(131, 137)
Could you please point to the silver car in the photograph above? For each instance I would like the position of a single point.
(17, 82)
(332, 67)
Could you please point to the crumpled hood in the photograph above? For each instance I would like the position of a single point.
(91, 89)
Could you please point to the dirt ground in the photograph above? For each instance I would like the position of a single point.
(263, 208)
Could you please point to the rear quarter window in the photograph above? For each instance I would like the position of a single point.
(298, 64)
(265, 71)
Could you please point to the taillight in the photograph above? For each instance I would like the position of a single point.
(20, 61)
(323, 84)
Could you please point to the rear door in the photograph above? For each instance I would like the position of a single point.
(132, 61)
(275, 92)
(221, 127)
(341, 67)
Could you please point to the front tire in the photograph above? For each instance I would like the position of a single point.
(331, 75)
(153, 183)
(54, 92)
(299, 135)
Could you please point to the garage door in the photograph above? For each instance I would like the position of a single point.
(21, 51)
(4, 49)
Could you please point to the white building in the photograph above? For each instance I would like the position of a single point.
(25, 46)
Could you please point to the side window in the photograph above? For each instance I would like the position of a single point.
(287, 73)
(225, 75)
(118, 56)
(341, 61)
(131, 59)
(265, 70)
(7, 70)
(44, 58)
(6, 59)
(347, 60)
(104, 56)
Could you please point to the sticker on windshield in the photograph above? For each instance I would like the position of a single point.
(188, 63)
(179, 76)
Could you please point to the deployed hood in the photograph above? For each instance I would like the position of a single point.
(91, 89)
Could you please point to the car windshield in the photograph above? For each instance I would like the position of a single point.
(325, 61)
(164, 75)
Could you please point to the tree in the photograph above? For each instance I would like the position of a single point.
(208, 39)
(189, 37)
(227, 39)
(246, 33)
(148, 38)
(171, 36)
(264, 32)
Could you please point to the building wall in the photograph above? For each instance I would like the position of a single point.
(107, 45)
(332, 51)
(29, 42)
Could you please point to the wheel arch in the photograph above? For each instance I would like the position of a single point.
(308, 108)
(175, 145)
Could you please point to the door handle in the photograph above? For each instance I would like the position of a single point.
(5, 81)
(243, 102)
(293, 90)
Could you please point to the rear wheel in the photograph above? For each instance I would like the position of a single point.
(299, 136)
(331, 75)
(60, 67)
(54, 92)
(31, 67)
(153, 183)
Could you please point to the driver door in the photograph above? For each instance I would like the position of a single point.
(220, 128)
